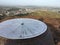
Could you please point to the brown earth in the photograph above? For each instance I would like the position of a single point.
(53, 24)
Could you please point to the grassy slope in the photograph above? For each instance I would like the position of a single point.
(47, 14)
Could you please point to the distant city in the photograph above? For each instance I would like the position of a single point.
(24, 10)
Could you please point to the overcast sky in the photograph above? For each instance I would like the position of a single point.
(54, 3)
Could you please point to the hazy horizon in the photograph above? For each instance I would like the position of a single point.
(49, 3)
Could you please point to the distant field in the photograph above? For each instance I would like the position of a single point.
(47, 14)
(37, 15)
